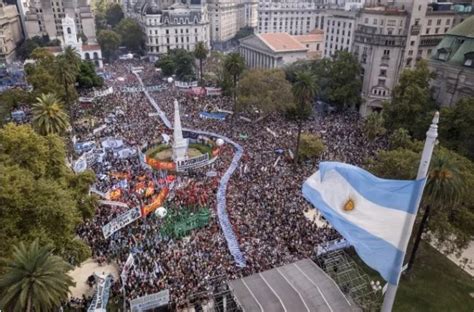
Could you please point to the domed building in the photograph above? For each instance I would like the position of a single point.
(453, 62)
(169, 24)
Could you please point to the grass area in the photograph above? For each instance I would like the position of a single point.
(436, 284)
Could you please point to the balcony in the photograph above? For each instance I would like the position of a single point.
(415, 30)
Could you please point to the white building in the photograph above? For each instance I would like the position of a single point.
(44, 17)
(295, 17)
(180, 25)
(89, 52)
(339, 31)
(227, 17)
(275, 50)
(10, 32)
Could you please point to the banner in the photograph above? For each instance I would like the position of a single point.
(102, 291)
(126, 268)
(121, 221)
(149, 302)
(157, 202)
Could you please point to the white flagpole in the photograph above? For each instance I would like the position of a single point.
(430, 143)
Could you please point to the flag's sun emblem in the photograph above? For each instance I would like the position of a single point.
(349, 205)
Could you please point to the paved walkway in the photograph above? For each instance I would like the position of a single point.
(88, 268)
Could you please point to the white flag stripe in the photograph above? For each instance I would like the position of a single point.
(379, 221)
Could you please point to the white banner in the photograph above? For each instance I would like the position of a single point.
(150, 301)
(121, 221)
(126, 268)
(102, 291)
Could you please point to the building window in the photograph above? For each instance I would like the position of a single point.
(412, 43)
(381, 82)
(410, 52)
(436, 30)
(427, 31)
(383, 73)
(438, 22)
(69, 30)
(429, 22)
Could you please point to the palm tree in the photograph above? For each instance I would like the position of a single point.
(67, 74)
(200, 52)
(304, 91)
(443, 190)
(73, 57)
(48, 115)
(34, 279)
(234, 64)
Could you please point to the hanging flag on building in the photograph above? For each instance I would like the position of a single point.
(368, 211)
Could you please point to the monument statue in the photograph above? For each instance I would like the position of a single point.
(180, 145)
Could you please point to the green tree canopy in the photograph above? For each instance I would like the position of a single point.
(167, 65)
(132, 35)
(40, 196)
(264, 90)
(200, 53)
(400, 138)
(411, 105)
(234, 65)
(113, 14)
(49, 116)
(457, 127)
(311, 146)
(184, 64)
(87, 77)
(34, 279)
(10, 100)
(109, 42)
(374, 126)
(344, 85)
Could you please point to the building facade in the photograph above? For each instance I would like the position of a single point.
(393, 36)
(275, 50)
(10, 32)
(339, 31)
(177, 25)
(453, 62)
(227, 17)
(44, 17)
(295, 17)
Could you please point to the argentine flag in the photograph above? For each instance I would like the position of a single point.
(369, 212)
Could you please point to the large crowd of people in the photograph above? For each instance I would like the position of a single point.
(264, 199)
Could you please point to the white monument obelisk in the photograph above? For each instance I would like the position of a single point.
(180, 145)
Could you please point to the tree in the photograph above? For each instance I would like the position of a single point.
(132, 35)
(443, 191)
(400, 138)
(67, 71)
(344, 85)
(48, 115)
(42, 75)
(10, 100)
(87, 77)
(265, 90)
(200, 52)
(41, 197)
(34, 279)
(373, 126)
(234, 65)
(167, 65)
(114, 14)
(304, 91)
(311, 146)
(411, 102)
(184, 64)
(109, 42)
(457, 127)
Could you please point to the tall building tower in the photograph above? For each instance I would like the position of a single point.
(44, 17)
(227, 17)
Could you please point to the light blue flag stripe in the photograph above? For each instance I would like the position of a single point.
(376, 252)
(393, 194)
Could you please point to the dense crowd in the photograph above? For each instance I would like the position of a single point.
(264, 199)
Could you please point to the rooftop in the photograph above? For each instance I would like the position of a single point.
(464, 29)
(309, 38)
(281, 42)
